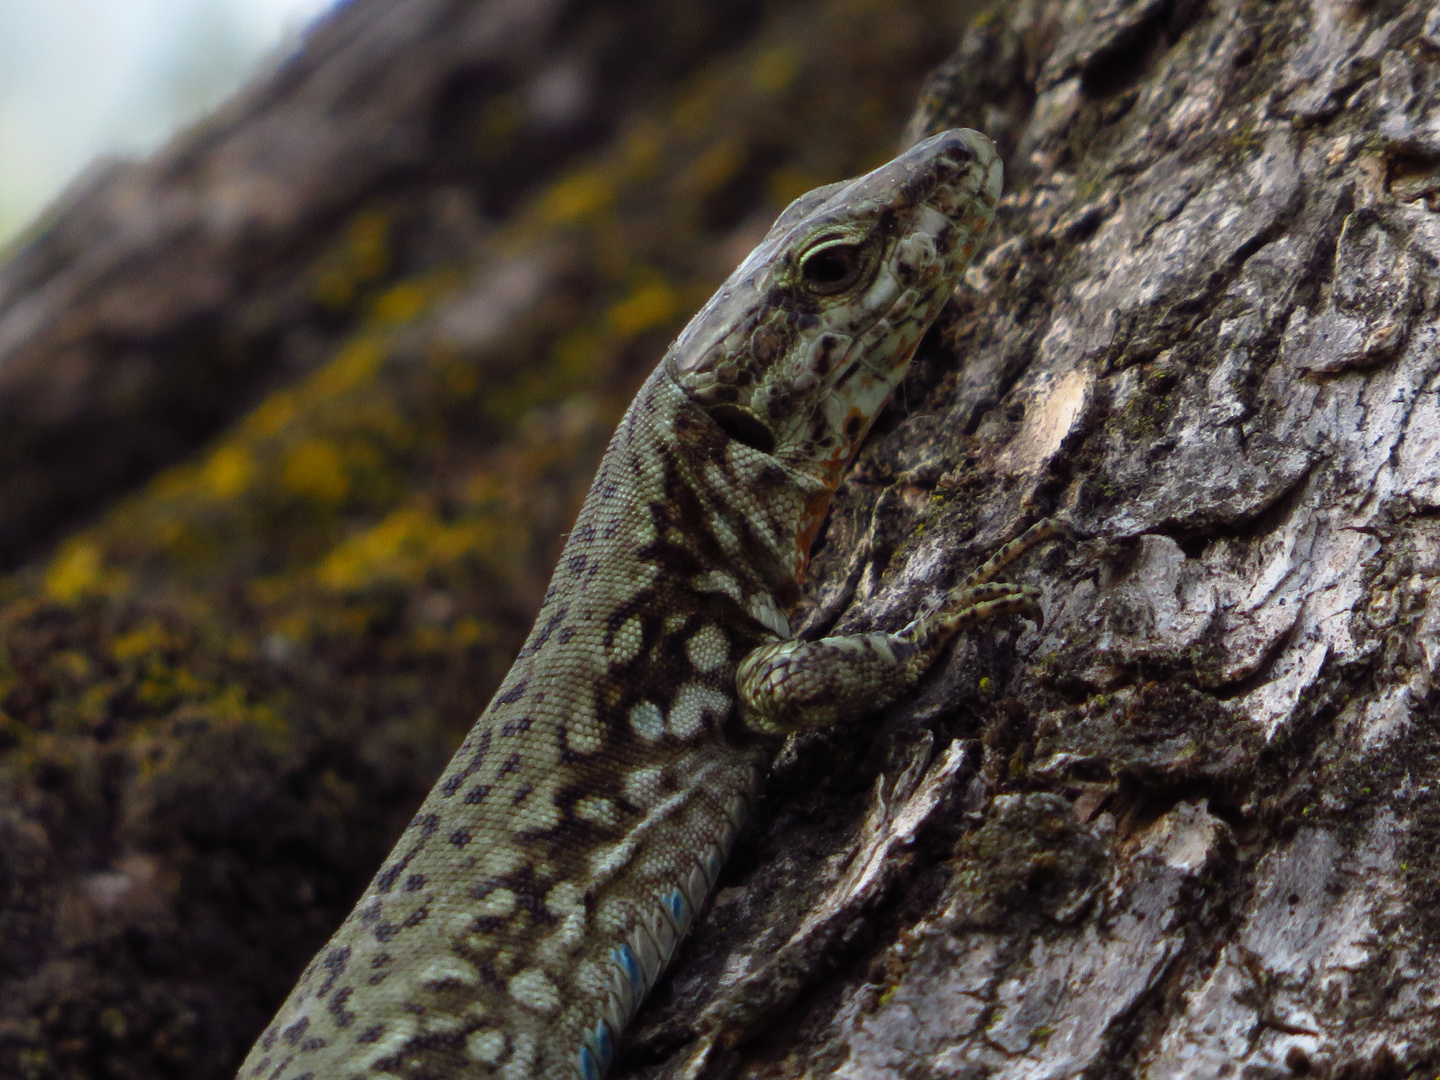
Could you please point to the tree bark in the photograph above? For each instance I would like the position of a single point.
(327, 379)
(1184, 829)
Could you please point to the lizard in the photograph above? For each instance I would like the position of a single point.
(549, 876)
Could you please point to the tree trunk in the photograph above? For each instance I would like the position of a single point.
(1183, 829)
(1186, 828)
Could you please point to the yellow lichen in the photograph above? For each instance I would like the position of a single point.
(577, 196)
(775, 70)
(500, 117)
(271, 416)
(648, 306)
(229, 471)
(79, 570)
(472, 631)
(314, 469)
(148, 637)
(402, 548)
(401, 304)
(788, 183)
(365, 257)
(368, 248)
(642, 149)
(357, 363)
(694, 111)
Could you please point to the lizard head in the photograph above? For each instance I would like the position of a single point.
(800, 349)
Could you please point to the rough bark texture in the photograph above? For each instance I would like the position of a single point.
(221, 700)
(1183, 830)
(1190, 828)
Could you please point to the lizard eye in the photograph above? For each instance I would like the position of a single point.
(832, 268)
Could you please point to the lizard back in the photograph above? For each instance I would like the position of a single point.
(552, 871)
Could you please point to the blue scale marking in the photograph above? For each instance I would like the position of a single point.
(596, 1052)
(599, 1047)
(624, 958)
(674, 902)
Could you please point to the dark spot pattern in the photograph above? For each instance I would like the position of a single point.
(452, 783)
(514, 694)
(343, 1016)
(334, 964)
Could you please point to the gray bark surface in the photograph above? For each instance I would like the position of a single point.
(468, 230)
(1186, 829)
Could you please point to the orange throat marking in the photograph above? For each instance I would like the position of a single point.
(831, 470)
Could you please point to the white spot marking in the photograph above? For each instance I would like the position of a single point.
(707, 649)
(596, 810)
(500, 904)
(627, 641)
(720, 582)
(535, 990)
(583, 733)
(642, 787)
(486, 1047)
(647, 720)
(521, 1065)
(400, 1031)
(691, 708)
(450, 969)
(566, 901)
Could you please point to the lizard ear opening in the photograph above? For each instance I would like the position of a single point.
(744, 428)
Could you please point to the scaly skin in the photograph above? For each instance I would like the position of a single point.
(549, 876)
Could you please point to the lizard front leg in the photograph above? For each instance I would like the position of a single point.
(791, 685)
